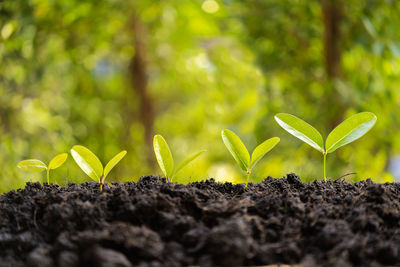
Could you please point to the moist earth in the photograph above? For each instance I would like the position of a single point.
(154, 223)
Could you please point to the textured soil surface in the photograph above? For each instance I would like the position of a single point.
(154, 223)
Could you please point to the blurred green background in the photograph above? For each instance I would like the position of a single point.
(109, 74)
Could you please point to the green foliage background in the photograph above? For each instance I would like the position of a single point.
(65, 79)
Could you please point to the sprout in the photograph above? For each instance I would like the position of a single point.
(35, 165)
(241, 154)
(165, 159)
(346, 132)
(91, 164)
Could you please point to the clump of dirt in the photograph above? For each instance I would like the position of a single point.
(154, 223)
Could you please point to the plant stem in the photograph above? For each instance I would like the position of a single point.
(324, 166)
(101, 182)
(48, 176)
(247, 177)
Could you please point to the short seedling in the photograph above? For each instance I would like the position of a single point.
(91, 164)
(348, 131)
(35, 165)
(241, 154)
(165, 159)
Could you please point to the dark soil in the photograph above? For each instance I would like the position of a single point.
(154, 223)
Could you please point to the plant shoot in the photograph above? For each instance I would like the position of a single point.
(35, 165)
(241, 154)
(165, 159)
(91, 165)
(348, 131)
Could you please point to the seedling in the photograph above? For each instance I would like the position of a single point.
(241, 154)
(35, 165)
(348, 131)
(91, 164)
(165, 159)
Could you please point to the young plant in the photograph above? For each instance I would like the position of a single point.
(35, 165)
(165, 159)
(241, 154)
(348, 131)
(91, 164)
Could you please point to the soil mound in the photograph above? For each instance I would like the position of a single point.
(154, 223)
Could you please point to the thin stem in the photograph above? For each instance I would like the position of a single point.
(248, 176)
(101, 183)
(325, 166)
(48, 176)
(347, 174)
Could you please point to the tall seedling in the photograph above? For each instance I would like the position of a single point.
(91, 164)
(241, 154)
(165, 159)
(348, 131)
(35, 165)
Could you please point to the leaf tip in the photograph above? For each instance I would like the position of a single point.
(19, 165)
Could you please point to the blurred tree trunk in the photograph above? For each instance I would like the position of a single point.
(332, 12)
(331, 16)
(139, 79)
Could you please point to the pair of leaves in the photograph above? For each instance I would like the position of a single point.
(35, 165)
(240, 152)
(165, 159)
(91, 164)
(348, 131)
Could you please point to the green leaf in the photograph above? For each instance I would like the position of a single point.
(301, 129)
(32, 165)
(237, 148)
(164, 156)
(188, 160)
(88, 162)
(114, 161)
(350, 130)
(57, 161)
(263, 149)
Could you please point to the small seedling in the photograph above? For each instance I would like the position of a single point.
(91, 164)
(348, 131)
(165, 159)
(35, 165)
(241, 154)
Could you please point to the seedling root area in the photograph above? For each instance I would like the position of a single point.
(155, 223)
